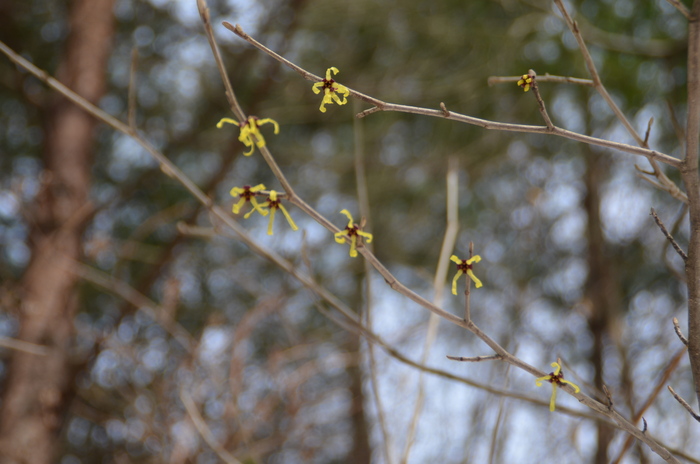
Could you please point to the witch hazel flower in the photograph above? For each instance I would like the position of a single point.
(331, 89)
(352, 234)
(250, 131)
(464, 266)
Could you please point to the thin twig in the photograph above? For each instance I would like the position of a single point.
(494, 357)
(540, 103)
(544, 78)
(204, 430)
(680, 7)
(380, 105)
(26, 347)
(667, 183)
(677, 328)
(684, 403)
(131, 112)
(233, 101)
(396, 285)
(646, 136)
(468, 289)
(668, 236)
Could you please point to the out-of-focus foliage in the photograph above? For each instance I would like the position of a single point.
(271, 375)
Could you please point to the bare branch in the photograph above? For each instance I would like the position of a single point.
(540, 102)
(380, 105)
(493, 80)
(677, 328)
(684, 403)
(680, 7)
(495, 357)
(668, 236)
(204, 430)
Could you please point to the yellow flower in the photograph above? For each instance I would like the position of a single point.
(247, 193)
(555, 378)
(464, 266)
(526, 82)
(331, 89)
(274, 204)
(351, 233)
(250, 132)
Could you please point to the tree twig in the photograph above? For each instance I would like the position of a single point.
(677, 328)
(668, 236)
(685, 404)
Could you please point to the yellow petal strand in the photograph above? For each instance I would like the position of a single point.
(575, 387)
(258, 207)
(474, 259)
(237, 207)
(289, 218)
(454, 281)
(539, 380)
(367, 236)
(455, 259)
(473, 277)
(353, 246)
(272, 219)
(226, 120)
(348, 215)
(553, 400)
(556, 367)
(339, 236)
(235, 191)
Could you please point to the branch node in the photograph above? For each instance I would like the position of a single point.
(644, 429)
(444, 110)
(608, 396)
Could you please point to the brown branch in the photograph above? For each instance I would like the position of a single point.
(680, 7)
(677, 329)
(225, 218)
(494, 357)
(380, 105)
(668, 236)
(540, 103)
(685, 404)
(493, 80)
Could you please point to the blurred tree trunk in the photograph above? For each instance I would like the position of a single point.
(38, 388)
(601, 291)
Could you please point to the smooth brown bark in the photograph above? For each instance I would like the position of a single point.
(38, 387)
(691, 180)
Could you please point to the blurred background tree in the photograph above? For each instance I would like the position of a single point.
(572, 265)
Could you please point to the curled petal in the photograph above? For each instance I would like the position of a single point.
(328, 72)
(455, 259)
(353, 246)
(339, 236)
(367, 236)
(226, 120)
(454, 281)
(349, 216)
(237, 207)
(539, 380)
(474, 259)
(317, 87)
(235, 191)
(289, 218)
(271, 121)
(473, 277)
(575, 387)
